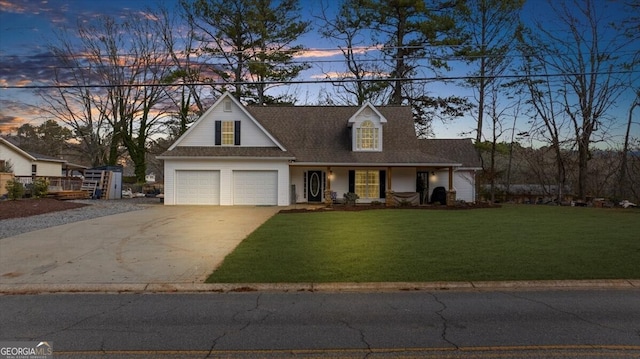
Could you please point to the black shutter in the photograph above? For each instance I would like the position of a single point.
(236, 134)
(352, 181)
(383, 184)
(218, 133)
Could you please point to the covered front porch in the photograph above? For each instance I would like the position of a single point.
(390, 185)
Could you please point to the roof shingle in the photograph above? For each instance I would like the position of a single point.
(321, 134)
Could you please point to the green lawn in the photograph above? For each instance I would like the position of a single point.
(508, 243)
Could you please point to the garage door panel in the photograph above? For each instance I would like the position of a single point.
(198, 187)
(255, 187)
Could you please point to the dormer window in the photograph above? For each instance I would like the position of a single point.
(367, 136)
(366, 127)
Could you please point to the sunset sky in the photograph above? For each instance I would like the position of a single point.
(27, 26)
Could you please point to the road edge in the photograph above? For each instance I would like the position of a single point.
(24, 289)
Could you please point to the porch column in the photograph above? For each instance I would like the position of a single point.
(328, 199)
(388, 201)
(451, 193)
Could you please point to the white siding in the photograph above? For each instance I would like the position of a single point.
(403, 179)
(204, 133)
(48, 169)
(297, 178)
(438, 179)
(463, 181)
(340, 181)
(21, 165)
(226, 169)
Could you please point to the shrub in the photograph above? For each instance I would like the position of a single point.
(40, 188)
(6, 166)
(14, 189)
(350, 198)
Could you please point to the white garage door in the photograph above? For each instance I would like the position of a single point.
(255, 187)
(197, 187)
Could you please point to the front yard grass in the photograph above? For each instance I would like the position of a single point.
(515, 242)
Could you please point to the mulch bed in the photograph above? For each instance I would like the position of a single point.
(31, 207)
(364, 207)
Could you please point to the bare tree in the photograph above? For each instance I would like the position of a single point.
(624, 179)
(185, 92)
(116, 68)
(587, 53)
(549, 123)
(74, 102)
(630, 26)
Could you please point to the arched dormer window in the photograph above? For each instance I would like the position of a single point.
(367, 136)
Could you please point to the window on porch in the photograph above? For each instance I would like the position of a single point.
(367, 184)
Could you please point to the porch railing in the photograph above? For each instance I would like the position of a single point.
(56, 184)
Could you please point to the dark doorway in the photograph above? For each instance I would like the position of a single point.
(422, 187)
(314, 186)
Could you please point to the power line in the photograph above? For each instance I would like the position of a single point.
(323, 81)
(302, 52)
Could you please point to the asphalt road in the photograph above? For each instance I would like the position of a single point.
(456, 324)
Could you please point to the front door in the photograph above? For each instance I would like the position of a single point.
(422, 187)
(314, 186)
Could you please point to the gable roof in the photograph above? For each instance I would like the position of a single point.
(321, 135)
(225, 96)
(369, 106)
(32, 156)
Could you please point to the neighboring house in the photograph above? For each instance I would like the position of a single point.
(28, 164)
(279, 155)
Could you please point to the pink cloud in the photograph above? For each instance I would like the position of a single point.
(8, 6)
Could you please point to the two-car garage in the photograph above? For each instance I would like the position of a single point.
(207, 187)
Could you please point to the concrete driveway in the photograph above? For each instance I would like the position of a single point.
(159, 244)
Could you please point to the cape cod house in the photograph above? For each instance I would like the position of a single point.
(249, 155)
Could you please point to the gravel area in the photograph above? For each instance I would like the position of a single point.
(96, 208)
